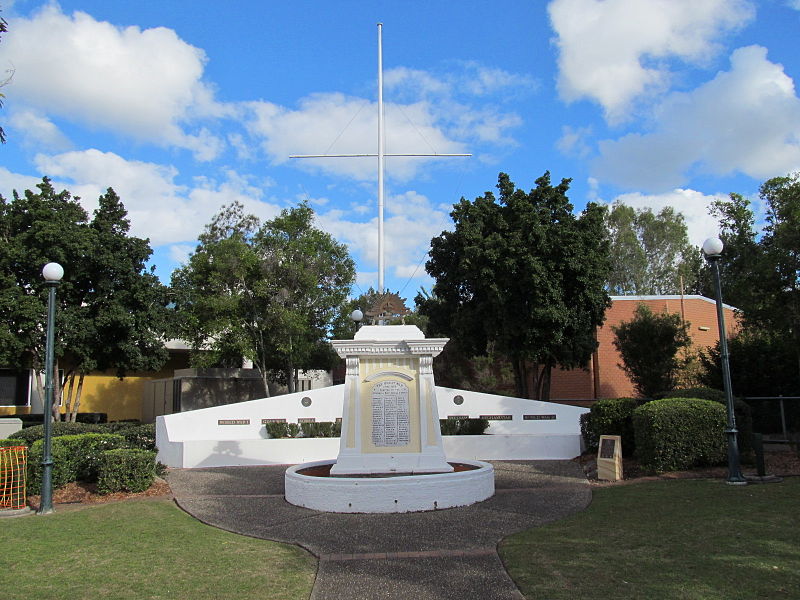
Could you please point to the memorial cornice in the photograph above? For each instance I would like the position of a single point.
(430, 347)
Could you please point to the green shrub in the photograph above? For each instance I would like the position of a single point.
(58, 428)
(704, 393)
(611, 416)
(75, 458)
(125, 470)
(679, 433)
(741, 412)
(463, 426)
(11, 442)
(277, 430)
(292, 430)
(324, 429)
(140, 436)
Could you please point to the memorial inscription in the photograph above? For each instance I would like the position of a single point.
(390, 418)
(607, 448)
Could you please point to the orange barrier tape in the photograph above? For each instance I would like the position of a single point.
(13, 476)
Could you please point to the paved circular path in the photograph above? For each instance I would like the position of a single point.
(448, 553)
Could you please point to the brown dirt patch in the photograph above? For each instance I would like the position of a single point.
(781, 462)
(79, 493)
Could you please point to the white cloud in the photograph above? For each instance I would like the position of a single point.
(337, 124)
(144, 83)
(746, 120)
(573, 141)
(795, 4)
(158, 208)
(463, 78)
(691, 204)
(409, 226)
(37, 130)
(613, 51)
(10, 182)
(180, 253)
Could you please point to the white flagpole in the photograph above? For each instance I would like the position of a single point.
(381, 150)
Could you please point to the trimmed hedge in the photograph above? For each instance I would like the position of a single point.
(125, 470)
(324, 429)
(703, 393)
(741, 412)
(611, 416)
(680, 433)
(11, 442)
(137, 435)
(75, 458)
(463, 426)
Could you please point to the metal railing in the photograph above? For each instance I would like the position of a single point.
(784, 429)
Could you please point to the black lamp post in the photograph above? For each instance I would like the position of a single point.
(52, 273)
(712, 248)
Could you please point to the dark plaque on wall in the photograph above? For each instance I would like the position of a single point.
(607, 448)
(538, 417)
(233, 422)
(497, 417)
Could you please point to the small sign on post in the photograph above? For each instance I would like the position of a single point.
(609, 458)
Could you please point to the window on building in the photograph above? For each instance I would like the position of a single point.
(14, 387)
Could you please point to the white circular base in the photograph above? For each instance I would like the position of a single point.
(402, 493)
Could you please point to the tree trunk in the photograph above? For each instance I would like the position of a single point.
(39, 386)
(69, 390)
(73, 417)
(56, 392)
(519, 384)
(547, 372)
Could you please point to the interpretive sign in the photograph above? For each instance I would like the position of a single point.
(609, 458)
(390, 414)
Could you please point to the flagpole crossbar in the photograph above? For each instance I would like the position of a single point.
(370, 155)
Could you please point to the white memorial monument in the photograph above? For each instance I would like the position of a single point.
(390, 422)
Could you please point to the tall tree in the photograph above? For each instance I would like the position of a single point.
(267, 293)
(650, 252)
(650, 346)
(524, 276)
(744, 262)
(111, 312)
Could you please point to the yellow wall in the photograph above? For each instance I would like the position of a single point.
(118, 398)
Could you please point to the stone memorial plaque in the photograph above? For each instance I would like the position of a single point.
(390, 418)
(265, 421)
(497, 417)
(307, 420)
(607, 448)
(538, 417)
(233, 422)
(609, 458)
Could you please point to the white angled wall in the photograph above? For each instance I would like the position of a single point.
(233, 434)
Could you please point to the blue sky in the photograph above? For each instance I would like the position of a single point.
(185, 105)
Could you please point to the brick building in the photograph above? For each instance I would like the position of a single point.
(603, 378)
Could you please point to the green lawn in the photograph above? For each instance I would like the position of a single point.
(668, 539)
(143, 550)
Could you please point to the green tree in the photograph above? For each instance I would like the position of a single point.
(650, 345)
(650, 252)
(523, 276)
(111, 311)
(743, 263)
(761, 277)
(268, 293)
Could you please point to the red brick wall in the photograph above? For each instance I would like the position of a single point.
(611, 380)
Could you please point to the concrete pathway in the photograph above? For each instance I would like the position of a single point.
(442, 554)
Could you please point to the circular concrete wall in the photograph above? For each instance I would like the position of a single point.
(402, 493)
